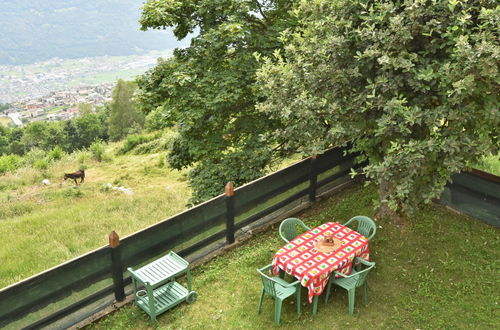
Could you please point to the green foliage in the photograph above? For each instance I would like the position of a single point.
(69, 135)
(88, 127)
(412, 85)
(133, 141)
(4, 106)
(98, 150)
(4, 140)
(33, 155)
(210, 176)
(85, 108)
(209, 89)
(83, 158)
(56, 153)
(9, 163)
(123, 114)
(41, 164)
(157, 120)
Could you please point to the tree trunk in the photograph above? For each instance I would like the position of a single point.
(384, 211)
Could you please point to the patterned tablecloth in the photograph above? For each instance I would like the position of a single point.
(300, 259)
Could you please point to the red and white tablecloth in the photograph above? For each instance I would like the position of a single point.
(300, 259)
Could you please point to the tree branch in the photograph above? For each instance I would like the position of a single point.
(260, 9)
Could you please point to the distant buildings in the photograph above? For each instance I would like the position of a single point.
(60, 105)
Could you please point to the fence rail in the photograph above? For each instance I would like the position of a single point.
(64, 295)
(475, 193)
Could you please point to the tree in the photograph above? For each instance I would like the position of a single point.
(89, 128)
(4, 140)
(123, 114)
(209, 89)
(413, 85)
(35, 135)
(4, 107)
(84, 108)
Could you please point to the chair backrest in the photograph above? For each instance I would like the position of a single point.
(267, 281)
(362, 274)
(288, 230)
(366, 226)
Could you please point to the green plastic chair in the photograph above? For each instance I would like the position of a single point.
(366, 226)
(351, 282)
(288, 230)
(279, 290)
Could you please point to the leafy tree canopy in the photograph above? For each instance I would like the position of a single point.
(413, 85)
(209, 89)
(123, 113)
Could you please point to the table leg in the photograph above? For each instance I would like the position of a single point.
(282, 273)
(315, 305)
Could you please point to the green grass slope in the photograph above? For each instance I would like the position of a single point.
(42, 226)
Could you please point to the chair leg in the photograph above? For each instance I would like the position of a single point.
(365, 294)
(315, 305)
(277, 310)
(298, 299)
(328, 288)
(351, 293)
(261, 300)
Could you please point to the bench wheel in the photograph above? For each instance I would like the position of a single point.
(191, 298)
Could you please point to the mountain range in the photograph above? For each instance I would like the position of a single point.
(37, 30)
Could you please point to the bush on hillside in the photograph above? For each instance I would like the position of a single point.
(133, 141)
(56, 153)
(9, 163)
(98, 150)
(34, 155)
(41, 164)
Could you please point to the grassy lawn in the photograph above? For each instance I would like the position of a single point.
(440, 270)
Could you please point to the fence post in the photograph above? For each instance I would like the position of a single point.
(229, 212)
(313, 178)
(116, 266)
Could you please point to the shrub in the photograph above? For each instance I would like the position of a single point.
(133, 141)
(56, 153)
(34, 155)
(98, 150)
(41, 164)
(82, 156)
(9, 163)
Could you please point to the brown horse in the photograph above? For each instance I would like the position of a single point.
(75, 175)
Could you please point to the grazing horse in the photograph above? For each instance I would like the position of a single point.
(75, 175)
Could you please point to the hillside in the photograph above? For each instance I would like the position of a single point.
(37, 30)
(46, 225)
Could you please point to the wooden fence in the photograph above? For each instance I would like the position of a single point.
(66, 294)
(475, 193)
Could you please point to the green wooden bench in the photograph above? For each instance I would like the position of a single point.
(161, 292)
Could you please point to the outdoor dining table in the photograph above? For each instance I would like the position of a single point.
(313, 268)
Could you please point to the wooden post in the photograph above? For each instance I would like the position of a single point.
(229, 212)
(313, 178)
(116, 266)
